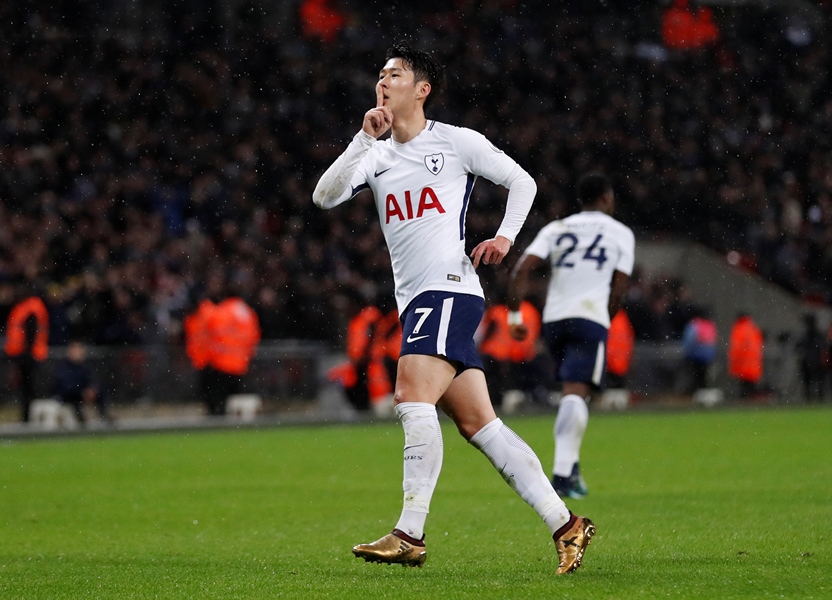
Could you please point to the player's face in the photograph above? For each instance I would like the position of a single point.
(397, 85)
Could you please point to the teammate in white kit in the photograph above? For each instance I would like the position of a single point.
(591, 258)
(421, 178)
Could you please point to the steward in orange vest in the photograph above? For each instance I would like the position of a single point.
(27, 343)
(497, 341)
(745, 354)
(371, 381)
(233, 333)
(27, 329)
(387, 345)
(373, 344)
(507, 360)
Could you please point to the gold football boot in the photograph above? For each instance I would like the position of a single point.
(392, 549)
(571, 545)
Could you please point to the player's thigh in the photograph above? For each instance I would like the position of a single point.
(467, 402)
(422, 378)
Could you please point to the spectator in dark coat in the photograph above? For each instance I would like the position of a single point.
(75, 383)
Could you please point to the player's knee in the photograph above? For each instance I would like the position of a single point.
(399, 396)
(407, 394)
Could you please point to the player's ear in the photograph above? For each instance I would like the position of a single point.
(422, 90)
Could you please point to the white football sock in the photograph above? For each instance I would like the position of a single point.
(521, 469)
(570, 426)
(422, 463)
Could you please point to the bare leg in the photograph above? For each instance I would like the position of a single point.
(421, 378)
(466, 401)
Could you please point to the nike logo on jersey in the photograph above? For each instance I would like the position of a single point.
(411, 339)
(380, 173)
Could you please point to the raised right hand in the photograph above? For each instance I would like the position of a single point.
(379, 119)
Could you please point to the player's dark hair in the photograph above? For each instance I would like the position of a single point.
(591, 187)
(424, 66)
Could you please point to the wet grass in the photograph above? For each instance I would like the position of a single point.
(727, 504)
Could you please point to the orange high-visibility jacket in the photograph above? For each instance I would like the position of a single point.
(197, 340)
(16, 328)
(620, 342)
(364, 349)
(498, 342)
(234, 331)
(386, 344)
(745, 351)
(388, 339)
(361, 331)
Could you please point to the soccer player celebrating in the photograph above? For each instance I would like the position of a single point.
(421, 178)
(591, 258)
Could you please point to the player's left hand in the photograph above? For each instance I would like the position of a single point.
(491, 252)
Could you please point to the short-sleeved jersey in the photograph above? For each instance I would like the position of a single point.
(584, 250)
(422, 189)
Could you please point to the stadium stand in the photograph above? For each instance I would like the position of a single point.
(140, 147)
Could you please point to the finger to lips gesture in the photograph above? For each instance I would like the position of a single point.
(379, 119)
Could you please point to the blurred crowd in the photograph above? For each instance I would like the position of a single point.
(143, 147)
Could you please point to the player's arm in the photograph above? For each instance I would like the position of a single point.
(340, 182)
(618, 287)
(337, 184)
(481, 157)
(518, 287)
(521, 192)
(621, 274)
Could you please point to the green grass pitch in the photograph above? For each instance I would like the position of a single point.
(721, 504)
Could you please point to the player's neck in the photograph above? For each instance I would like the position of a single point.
(408, 127)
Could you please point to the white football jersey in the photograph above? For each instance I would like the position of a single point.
(422, 189)
(584, 249)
